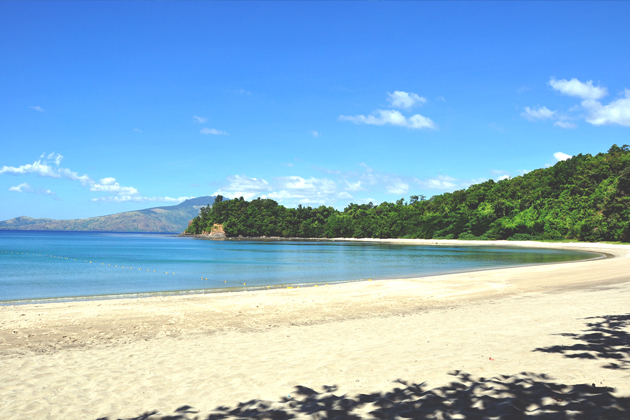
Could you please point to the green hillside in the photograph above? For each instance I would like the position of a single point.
(585, 198)
(156, 219)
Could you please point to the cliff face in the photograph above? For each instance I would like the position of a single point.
(216, 229)
(157, 219)
(216, 232)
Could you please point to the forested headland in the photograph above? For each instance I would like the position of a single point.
(583, 198)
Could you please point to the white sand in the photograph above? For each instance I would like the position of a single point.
(122, 358)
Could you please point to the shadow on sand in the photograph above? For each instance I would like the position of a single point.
(604, 338)
(522, 396)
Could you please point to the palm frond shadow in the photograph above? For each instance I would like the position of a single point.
(522, 396)
(604, 338)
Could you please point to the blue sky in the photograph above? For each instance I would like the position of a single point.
(114, 106)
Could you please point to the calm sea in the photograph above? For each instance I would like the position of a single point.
(58, 265)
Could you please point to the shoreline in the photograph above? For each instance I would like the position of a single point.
(393, 240)
(557, 327)
(397, 296)
(413, 242)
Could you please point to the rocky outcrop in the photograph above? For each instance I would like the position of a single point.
(216, 233)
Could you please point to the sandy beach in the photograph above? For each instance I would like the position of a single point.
(549, 341)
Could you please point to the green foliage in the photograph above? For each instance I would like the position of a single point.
(584, 198)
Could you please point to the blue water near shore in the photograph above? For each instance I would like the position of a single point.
(56, 265)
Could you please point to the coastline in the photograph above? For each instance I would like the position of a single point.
(400, 295)
(233, 347)
(413, 242)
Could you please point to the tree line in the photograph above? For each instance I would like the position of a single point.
(585, 198)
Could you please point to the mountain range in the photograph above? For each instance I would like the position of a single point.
(156, 219)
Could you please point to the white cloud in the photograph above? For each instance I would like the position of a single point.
(542, 113)
(564, 124)
(289, 189)
(111, 186)
(418, 121)
(137, 130)
(387, 117)
(501, 175)
(353, 186)
(595, 113)
(40, 167)
(56, 157)
(315, 134)
(561, 156)
(26, 188)
(396, 186)
(315, 190)
(400, 99)
(73, 176)
(439, 182)
(243, 186)
(336, 188)
(48, 166)
(23, 187)
(475, 181)
(213, 131)
(43, 167)
(397, 99)
(108, 181)
(200, 120)
(576, 88)
(616, 112)
(37, 108)
(243, 92)
(297, 183)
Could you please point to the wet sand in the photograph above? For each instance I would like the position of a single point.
(122, 358)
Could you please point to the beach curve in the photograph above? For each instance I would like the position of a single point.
(211, 344)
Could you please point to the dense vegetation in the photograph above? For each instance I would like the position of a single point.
(585, 198)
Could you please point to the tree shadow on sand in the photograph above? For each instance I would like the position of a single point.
(604, 338)
(522, 396)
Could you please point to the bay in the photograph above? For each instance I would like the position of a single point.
(42, 265)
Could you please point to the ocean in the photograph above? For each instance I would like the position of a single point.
(53, 266)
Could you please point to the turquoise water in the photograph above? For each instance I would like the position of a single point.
(54, 265)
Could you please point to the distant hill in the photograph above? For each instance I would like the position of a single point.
(156, 219)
